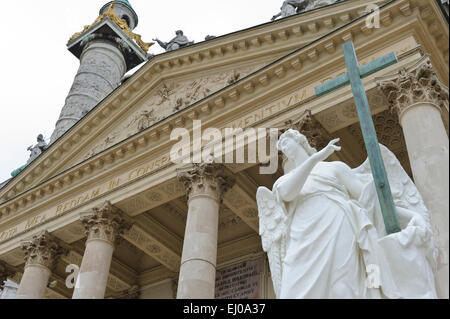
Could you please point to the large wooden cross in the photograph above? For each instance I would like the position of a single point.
(353, 77)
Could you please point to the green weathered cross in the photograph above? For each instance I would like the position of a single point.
(353, 77)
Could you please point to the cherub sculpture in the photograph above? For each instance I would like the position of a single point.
(324, 234)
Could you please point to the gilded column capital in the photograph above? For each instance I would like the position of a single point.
(42, 250)
(416, 84)
(105, 223)
(206, 179)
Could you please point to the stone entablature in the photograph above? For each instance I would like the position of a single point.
(283, 71)
(152, 73)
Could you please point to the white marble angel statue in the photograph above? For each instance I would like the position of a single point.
(324, 234)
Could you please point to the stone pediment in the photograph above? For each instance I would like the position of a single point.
(171, 82)
(167, 98)
(256, 46)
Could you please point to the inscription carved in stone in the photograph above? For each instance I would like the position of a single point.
(170, 97)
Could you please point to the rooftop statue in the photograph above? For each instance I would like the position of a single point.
(291, 7)
(323, 230)
(180, 41)
(37, 149)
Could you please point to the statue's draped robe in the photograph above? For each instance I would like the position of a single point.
(178, 42)
(332, 239)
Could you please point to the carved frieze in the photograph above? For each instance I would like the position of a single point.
(243, 206)
(170, 97)
(141, 121)
(42, 250)
(152, 247)
(206, 180)
(418, 83)
(105, 223)
(229, 219)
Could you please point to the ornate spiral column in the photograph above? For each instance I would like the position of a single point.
(103, 227)
(41, 254)
(102, 66)
(205, 184)
(417, 95)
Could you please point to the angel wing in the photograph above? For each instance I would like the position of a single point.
(404, 192)
(272, 229)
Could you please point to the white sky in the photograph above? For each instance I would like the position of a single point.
(37, 70)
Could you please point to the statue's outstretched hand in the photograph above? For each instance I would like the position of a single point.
(329, 150)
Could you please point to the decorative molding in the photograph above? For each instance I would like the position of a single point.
(152, 247)
(229, 220)
(242, 204)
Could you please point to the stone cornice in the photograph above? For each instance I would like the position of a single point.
(297, 64)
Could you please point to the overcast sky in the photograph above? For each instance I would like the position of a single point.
(37, 70)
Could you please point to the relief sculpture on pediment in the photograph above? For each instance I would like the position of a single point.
(141, 121)
(168, 98)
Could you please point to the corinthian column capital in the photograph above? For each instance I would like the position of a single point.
(42, 250)
(416, 84)
(105, 223)
(207, 180)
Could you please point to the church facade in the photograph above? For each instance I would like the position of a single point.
(106, 203)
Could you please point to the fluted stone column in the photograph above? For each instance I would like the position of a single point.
(103, 227)
(417, 95)
(206, 185)
(41, 254)
(102, 67)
